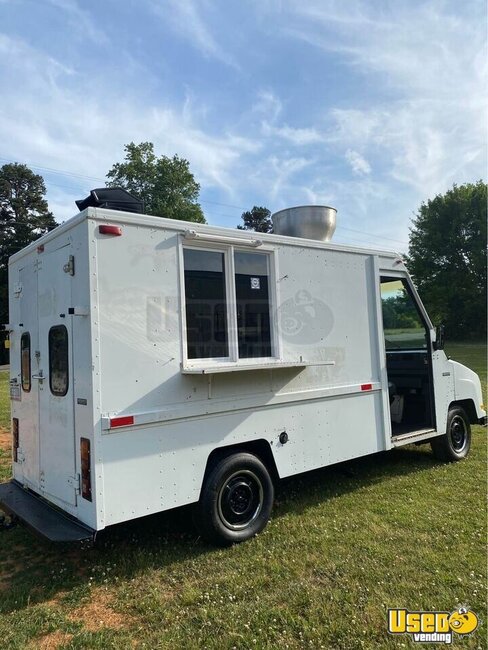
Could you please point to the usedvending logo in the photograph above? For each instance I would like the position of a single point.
(432, 627)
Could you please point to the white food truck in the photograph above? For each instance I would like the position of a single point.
(156, 363)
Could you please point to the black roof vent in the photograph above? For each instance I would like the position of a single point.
(113, 198)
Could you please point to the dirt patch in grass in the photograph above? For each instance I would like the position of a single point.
(53, 602)
(53, 640)
(5, 438)
(98, 613)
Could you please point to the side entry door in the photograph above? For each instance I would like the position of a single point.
(408, 357)
(57, 474)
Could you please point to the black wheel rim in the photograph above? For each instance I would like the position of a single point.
(240, 500)
(458, 434)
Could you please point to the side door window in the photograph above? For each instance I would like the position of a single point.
(403, 326)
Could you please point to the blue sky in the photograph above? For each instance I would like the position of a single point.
(371, 107)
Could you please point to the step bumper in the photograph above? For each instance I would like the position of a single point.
(41, 517)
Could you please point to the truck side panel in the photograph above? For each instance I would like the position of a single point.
(140, 325)
(323, 408)
(162, 466)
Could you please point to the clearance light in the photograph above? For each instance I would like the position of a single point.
(366, 386)
(110, 230)
(123, 421)
(86, 491)
(15, 437)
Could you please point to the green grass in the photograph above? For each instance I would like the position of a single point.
(345, 543)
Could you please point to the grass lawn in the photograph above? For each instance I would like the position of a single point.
(398, 529)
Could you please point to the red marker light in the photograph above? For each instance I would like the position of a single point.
(123, 421)
(105, 229)
(366, 386)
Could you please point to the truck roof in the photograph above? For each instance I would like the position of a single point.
(117, 216)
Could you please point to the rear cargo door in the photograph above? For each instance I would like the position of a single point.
(24, 371)
(57, 475)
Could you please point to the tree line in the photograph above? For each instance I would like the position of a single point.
(447, 243)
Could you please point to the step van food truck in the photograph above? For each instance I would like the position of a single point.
(157, 363)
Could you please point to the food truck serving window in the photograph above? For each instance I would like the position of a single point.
(25, 361)
(58, 360)
(252, 302)
(227, 304)
(205, 302)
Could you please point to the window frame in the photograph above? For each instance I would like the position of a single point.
(26, 390)
(389, 275)
(54, 393)
(231, 306)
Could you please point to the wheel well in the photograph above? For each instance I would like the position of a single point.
(260, 448)
(469, 408)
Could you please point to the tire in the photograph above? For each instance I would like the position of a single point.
(456, 442)
(236, 500)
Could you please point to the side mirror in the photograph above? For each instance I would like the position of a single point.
(439, 338)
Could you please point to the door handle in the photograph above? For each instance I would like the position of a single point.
(40, 376)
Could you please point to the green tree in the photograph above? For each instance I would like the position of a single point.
(24, 217)
(447, 258)
(258, 219)
(166, 185)
(397, 312)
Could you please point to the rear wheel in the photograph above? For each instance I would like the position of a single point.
(236, 500)
(456, 442)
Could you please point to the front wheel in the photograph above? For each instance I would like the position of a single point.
(236, 500)
(456, 442)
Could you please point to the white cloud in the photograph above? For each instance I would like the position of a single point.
(268, 104)
(81, 23)
(427, 146)
(431, 57)
(83, 129)
(276, 177)
(296, 136)
(354, 125)
(185, 18)
(270, 107)
(359, 165)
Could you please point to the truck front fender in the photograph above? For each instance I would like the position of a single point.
(467, 387)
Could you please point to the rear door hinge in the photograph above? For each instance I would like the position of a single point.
(75, 482)
(20, 455)
(69, 267)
